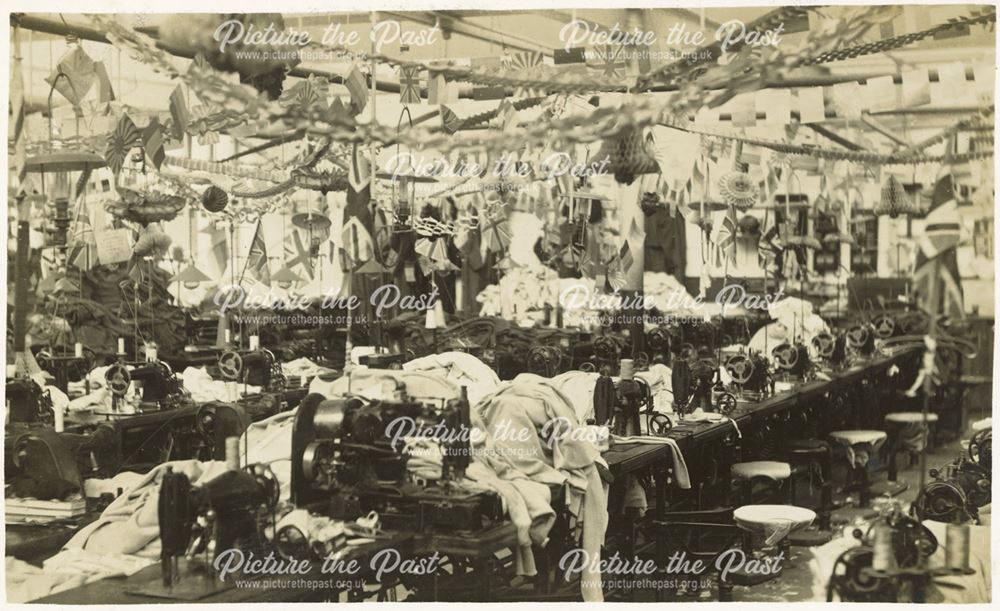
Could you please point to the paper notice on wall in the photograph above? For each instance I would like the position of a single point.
(811, 105)
(744, 110)
(916, 87)
(985, 74)
(951, 89)
(113, 245)
(777, 105)
(880, 93)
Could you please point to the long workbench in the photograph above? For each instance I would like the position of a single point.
(622, 460)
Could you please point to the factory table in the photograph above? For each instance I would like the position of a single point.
(622, 460)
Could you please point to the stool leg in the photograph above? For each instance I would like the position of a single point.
(826, 491)
(864, 492)
(893, 448)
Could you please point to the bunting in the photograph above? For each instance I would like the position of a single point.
(178, 113)
(153, 142)
(357, 85)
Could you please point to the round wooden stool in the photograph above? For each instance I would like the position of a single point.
(908, 432)
(860, 446)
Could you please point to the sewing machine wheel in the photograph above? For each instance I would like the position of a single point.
(785, 356)
(854, 584)
(884, 325)
(316, 458)
(658, 339)
(658, 423)
(291, 543)
(640, 360)
(268, 482)
(824, 343)
(588, 367)
(857, 336)
(543, 360)
(688, 352)
(940, 501)
(606, 348)
(740, 368)
(913, 323)
(727, 403)
(118, 379)
(230, 365)
(205, 421)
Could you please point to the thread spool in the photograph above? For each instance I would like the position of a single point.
(430, 320)
(459, 294)
(121, 345)
(439, 314)
(60, 422)
(78, 350)
(254, 342)
(627, 369)
(232, 453)
(956, 547)
(882, 558)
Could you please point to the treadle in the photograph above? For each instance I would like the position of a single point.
(847, 515)
(888, 488)
(809, 537)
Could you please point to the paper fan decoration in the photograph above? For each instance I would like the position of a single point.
(121, 140)
(737, 189)
(214, 199)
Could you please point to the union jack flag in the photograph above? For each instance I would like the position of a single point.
(409, 85)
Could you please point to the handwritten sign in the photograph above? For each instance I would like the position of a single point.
(113, 245)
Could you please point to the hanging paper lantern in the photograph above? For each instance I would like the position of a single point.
(895, 200)
(214, 199)
(737, 189)
(630, 155)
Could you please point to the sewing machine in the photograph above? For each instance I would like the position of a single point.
(65, 366)
(959, 489)
(891, 563)
(751, 378)
(791, 361)
(257, 367)
(696, 385)
(620, 404)
(159, 387)
(347, 462)
(859, 340)
(27, 402)
(829, 350)
(228, 512)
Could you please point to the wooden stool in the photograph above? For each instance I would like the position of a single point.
(773, 522)
(896, 424)
(860, 445)
(745, 473)
(810, 454)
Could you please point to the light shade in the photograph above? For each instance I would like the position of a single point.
(285, 277)
(190, 276)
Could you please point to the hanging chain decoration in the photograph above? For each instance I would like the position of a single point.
(980, 17)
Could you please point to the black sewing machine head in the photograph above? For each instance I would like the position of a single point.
(27, 402)
(161, 389)
(251, 367)
(957, 493)
(348, 459)
(385, 360)
(229, 511)
(860, 339)
(619, 405)
(750, 374)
